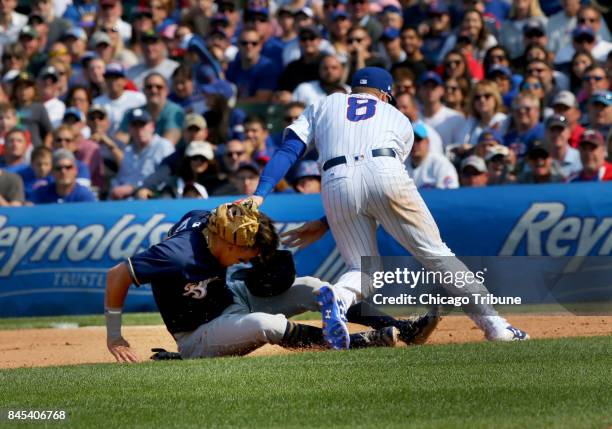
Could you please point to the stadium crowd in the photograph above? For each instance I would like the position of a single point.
(188, 99)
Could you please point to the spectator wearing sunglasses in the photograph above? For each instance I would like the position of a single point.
(486, 111)
(254, 75)
(64, 188)
(565, 104)
(109, 14)
(259, 20)
(594, 79)
(155, 60)
(525, 124)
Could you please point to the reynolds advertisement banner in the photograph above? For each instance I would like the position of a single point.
(54, 258)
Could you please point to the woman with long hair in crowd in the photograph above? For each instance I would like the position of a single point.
(456, 91)
(473, 26)
(580, 61)
(486, 110)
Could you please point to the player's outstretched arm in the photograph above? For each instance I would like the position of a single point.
(282, 160)
(305, 235)
(118, 281)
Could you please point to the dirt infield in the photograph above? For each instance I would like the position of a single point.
(51, 347)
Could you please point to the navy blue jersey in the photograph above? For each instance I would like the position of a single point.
(187, 281)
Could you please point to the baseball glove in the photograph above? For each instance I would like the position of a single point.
(236, 223)
(270, 276)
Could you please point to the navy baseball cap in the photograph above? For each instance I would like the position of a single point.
(490, 136)
(392, 9)
(499, 69)
(114, 69)
(557, 121)
(74, 113)
(390, 34)
(583, 30)
(337, 14)
(534, 27)
(249, 166)
(139, 115)
(438, 8)
(601, 97)
(373, 77)
(431, 76)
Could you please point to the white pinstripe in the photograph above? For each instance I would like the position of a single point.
(368, 189)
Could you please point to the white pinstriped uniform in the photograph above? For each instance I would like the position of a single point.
(368, 189)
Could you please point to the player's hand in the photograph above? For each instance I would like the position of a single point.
(122, 351)
(305, 235)
(255, 198)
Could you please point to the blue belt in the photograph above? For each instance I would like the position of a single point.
(342, 159)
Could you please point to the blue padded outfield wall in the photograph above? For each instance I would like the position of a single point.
(53, 258)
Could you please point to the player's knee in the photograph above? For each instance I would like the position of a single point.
(268, 328)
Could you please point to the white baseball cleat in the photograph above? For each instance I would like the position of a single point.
(511, 334)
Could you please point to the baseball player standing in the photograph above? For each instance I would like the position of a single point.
(362, 142)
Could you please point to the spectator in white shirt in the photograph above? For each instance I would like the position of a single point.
(407, 104)
(449, 123)
(48, 91)
(110, 15)
(155, 60)
(117, 99)
(11, 22)
(428, 169)
(331, 71)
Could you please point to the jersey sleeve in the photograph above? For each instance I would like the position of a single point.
(160, 261)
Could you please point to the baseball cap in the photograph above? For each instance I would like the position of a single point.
(219, 19)
(593, 137)
(24, 76)
(98, 108)
(248, 166)
(306, 168)
(98, 38)
(392, 9)
(60, 154)
(218, 87)
(497, 151)
(499, 69)
(474, 161)
(564, 98)
(339, 14)
(114, 69)
(76, 32)
(431, 76)
(253, 12)
(488, 136)
(35, 18)
(305, 11)
(583, 30)
(200, 148)
(538, 149)
(310, 31)
(195, 120)
(390, 34)
(139, 115)
(150, 36)
(28, 30)
(420, 131)
(557, 121)
(74, 113)
(373, 77)
(438, 7)
(534, 27)
(601, 97)
(49, 71)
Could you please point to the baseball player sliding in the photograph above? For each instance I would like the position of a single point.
(362, 142)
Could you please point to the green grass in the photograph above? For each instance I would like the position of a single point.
(548, 383)
(128, 319)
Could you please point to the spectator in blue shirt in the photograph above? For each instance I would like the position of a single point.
(65, 188)
(526, 124)
(253, 74)
(38, 174)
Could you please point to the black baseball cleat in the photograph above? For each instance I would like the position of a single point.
(384, 337)
(416, 330)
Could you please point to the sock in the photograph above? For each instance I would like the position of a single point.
(298, 336)
(376, 320)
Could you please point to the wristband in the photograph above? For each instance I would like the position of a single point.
(113, 323)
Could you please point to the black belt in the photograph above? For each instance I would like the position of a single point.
(342, 159)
